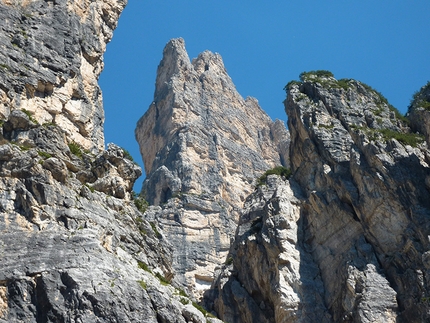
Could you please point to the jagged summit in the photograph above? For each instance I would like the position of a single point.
(197, 116)
(204, 145)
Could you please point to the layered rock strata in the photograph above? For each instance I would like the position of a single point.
(73, 245)
(204, 145)
(356, 224)
(50, 60)
(365, 179)
(270, 275)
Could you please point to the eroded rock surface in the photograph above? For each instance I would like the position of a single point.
(51, 59)
(367, 202)
(204, 145)
(269, 275)
(73, 245)
(354, 218)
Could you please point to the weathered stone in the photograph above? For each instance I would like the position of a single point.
(366, 205)
(419, 112)
(57, 168)
(269, 275)
(204, 145)
(51, 59)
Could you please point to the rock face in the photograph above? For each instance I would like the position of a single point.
(270, 276)
(348, 235)
(203, 144)
(73, 245)
(51, 59)
(419, 111)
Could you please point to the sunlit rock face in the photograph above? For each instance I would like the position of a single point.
(51, 58)
(346, 238)
(204, 145)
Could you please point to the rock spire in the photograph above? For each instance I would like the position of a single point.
(204, 145)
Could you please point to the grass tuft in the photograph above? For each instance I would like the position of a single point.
(279, 170)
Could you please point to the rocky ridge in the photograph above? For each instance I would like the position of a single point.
(203, 146)
(51, 58)
(347, 236)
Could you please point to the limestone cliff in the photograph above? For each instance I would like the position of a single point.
(346, 238)
(51, 59)
(74, 245)
(204, 145)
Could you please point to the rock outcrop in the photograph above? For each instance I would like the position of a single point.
(344, 238)
(354, 218)
(419, 112)
(269, 275)
(51, 59)
(74, 245)
(204, 145)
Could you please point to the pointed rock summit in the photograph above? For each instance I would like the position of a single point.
(205, 145)
(200, 136)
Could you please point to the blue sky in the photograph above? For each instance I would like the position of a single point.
(383, 43)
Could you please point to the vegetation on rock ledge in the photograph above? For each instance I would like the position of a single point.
(279, 170)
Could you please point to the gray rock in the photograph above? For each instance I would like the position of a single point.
(204, 146)
(57, 168)
(71, 253)
(366, 204)
(50, 61)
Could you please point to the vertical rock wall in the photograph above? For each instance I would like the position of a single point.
(360, 187)
(204, 145)
(51, 57)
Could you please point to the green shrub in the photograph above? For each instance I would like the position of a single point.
(201, 309)
(423, 104)
(92, 189)
(411, 139)
(127, 154)
(162, 279)
(305, 76)
(279, 170)
(140, 202)
(154, 228)
(182, 292)
(184, 301)
(143, 266)
(75, 149)
(398, 115)
(344, 83)
(48, 124)
(44, 154)
(30, 116)
(142, 284)
(291, 83)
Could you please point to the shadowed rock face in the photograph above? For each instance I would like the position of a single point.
(51, 59)
(419, 111)
(204, 144)
(348, 235)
